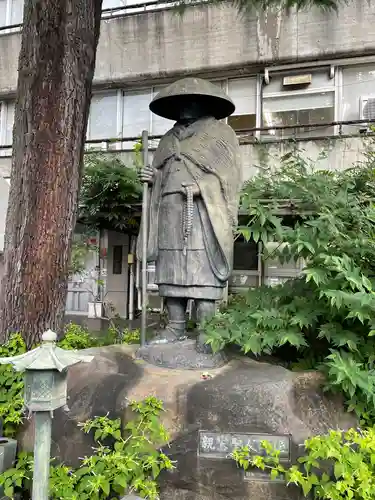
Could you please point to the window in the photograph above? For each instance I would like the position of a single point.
(9, 122)
(308, 104)
(136, 115)
(11, 12)
(113, 4)
(117, 260)
(274, 271)
(243, 93)
(245, 255)
(358, 87)
(245, 265)
(159, 125)
(102, 122)
(6, 126)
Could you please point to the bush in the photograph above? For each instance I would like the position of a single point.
(325, 318)
(110, 188)
(338, 466)
(119, 465)
(11, 387)
(11, 382)
(77, 337)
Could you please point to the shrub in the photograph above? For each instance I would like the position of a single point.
(338, 466)
(76, 337)
(119, 465)
(11, 387)
(326, 316)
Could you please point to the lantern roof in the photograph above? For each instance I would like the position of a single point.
(46, 357)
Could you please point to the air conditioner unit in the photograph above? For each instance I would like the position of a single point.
(367, 112)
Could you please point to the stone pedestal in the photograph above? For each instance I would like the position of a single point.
(181, 355)
(243, 396)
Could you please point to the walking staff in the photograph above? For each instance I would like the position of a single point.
(144, 239)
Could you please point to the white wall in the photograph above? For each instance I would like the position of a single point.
(152, 45)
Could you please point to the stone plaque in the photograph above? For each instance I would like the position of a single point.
(261, 476)
(218, 445)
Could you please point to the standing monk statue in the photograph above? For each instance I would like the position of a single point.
(195, 180)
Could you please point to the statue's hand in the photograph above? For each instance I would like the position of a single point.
(147, 174)
(195, 189)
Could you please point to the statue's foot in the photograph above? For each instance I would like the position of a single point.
(167, 336)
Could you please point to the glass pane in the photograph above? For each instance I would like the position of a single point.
(9, 121)
(16, 16)
(136, 113)
(103, 116)
(245, 257)
(242, 122)
(307, 109)
(301, 117)
(299, 101)
(242, 91)
(272, 265)
(117, 259)
(111, 4)
(159, 125)
(3, 12)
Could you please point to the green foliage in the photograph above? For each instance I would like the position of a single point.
(109, 190)
(11, 382)
(81, 248)
(18, 478)
(337, 466)
(119, 465)
(11, 387)
(76, 337)
(131, 336)
(326, 316)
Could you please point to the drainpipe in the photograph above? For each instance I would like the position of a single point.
(132, 278)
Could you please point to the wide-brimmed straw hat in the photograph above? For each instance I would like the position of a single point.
(170, 101)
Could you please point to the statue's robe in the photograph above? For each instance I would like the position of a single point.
(205, 153)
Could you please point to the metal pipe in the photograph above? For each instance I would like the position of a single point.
(144, 240)
(131, 280)
(322, 63)
(240, 131)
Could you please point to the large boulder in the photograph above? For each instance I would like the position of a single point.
(243, 396)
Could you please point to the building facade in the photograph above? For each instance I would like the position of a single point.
(305, 77)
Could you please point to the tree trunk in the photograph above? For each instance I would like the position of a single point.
(56, 67)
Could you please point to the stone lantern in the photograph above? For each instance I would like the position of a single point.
(45, 390)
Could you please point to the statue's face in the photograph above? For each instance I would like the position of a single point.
(192, 111)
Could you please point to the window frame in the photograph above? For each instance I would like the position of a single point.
(7, 151)
(334, 89)
(105, 145)
(8, 18)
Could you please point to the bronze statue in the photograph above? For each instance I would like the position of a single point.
(195, 179)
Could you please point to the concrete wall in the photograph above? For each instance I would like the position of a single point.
(340, 153)
(328, 154)
(153, 45)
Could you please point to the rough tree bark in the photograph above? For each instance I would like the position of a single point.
(56, 67)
